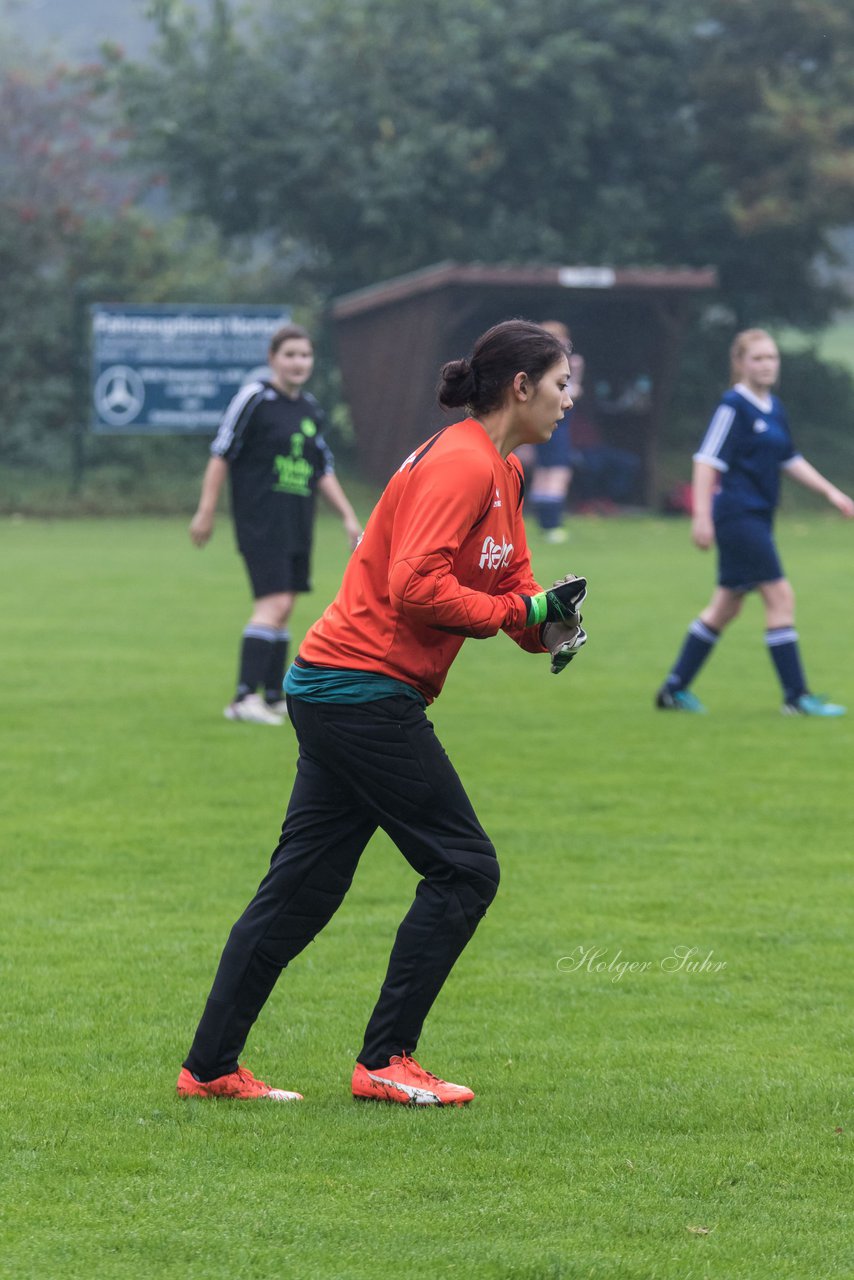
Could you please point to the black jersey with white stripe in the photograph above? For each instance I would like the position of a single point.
(747, 441)
(276, 454)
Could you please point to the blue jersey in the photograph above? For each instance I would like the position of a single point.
(747, 441)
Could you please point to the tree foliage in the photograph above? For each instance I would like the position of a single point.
(71, 232)
(378, 136)
(775, 113)
(340, 142)
(53, 157)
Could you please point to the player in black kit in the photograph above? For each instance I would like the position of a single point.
(271, 446)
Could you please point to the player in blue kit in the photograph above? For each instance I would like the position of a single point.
(735, 493)
(270, 445)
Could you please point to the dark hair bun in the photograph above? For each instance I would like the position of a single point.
(456, 384)
(481, 382)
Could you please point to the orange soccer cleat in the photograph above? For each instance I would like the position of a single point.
(403, 1080)
(239, 1084)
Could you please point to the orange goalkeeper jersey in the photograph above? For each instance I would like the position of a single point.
(444, 556)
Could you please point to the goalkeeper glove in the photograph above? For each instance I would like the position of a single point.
(558, 604)
(563, 642)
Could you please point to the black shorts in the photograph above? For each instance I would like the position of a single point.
(274, 572)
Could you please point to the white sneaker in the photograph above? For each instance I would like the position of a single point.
(278, 708)
(252, 709)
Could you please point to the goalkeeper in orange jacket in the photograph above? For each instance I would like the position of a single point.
(444, 556)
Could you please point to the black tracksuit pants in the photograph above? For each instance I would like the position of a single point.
(361, 766)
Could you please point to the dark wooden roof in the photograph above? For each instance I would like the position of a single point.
(444, 274)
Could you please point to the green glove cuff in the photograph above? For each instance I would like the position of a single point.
(538, 609)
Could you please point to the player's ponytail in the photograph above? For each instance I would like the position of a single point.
(481, 381)
(457, 385)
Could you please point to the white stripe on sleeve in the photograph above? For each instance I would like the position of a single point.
(710, 461)
(231, 417)
(716, 434)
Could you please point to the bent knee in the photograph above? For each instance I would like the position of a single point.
(491, 879)
(478, 883)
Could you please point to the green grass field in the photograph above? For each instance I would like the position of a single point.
(657, 1125)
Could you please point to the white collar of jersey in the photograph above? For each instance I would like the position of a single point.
(765, 403)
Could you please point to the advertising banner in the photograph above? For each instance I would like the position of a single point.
(165, 370)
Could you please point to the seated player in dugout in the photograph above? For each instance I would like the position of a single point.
(550, 462)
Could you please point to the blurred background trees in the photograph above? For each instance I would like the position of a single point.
(78, 223)
(383, 136)
(315, 146)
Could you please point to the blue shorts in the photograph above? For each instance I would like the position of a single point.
(746, 553)
(557, 451)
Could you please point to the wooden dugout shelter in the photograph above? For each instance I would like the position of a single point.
(627, 322)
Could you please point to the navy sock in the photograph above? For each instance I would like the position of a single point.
(548, 509)
(696, 647)
(782, 645)
(275, 676)
(255, 648)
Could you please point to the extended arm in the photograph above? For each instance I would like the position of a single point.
(201, 526)
(805, 473)
(329, 486)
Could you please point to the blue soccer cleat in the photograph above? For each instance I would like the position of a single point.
(668, 699)
(812, 704)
